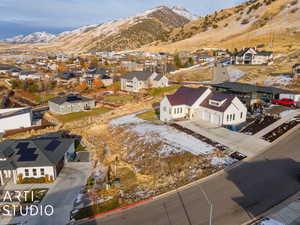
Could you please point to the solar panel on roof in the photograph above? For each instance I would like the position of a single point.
(52, 145)
(26, 154)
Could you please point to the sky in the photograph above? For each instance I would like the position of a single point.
(54, 16)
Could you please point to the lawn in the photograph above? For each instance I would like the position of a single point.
(118, 99)
(150, 115)
(79, 115)
(160, 91)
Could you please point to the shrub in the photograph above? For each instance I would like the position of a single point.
(245, 21)
(294, 10)
(294, 2)
(215, 26)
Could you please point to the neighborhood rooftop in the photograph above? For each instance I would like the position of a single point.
(69, 99)
(140, 75)
(4, 113)
(248, 88)
(186, 96)
(33, 152)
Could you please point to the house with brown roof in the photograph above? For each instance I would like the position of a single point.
(203, 104)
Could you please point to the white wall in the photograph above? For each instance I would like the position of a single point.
(15, 122)
(49, 170)
(237, 109)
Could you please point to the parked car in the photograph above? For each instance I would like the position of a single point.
(285, 102)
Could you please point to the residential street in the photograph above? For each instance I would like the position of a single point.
(62, 195)
(241, 193)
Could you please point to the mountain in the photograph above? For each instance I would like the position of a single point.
(37, 37)
(272, 24)
(129, 33)
(184, 12)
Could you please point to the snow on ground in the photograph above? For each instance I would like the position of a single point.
(195, 67)
(282, 80)
(287, 112)
(217, 161)
(174, 141)
(234, 74)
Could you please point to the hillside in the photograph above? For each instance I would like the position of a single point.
(129, 33)
(268, 23)
(37, 37)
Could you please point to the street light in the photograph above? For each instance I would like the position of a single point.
(211, 206)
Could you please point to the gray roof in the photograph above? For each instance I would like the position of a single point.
(249, 88)
(7, 67)
(140, 75)
(33, 152)
(15, 113)
(69, 99)
(158, 77)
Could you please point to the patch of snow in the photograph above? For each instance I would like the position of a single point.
(234, 74)
(269, 221)
(184, 13)
(287, 112)
(37, 37)
(175, 141)
(217, 161)
(282, 80)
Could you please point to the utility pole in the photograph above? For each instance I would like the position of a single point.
(211, 206)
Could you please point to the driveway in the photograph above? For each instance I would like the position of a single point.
(245, 144)
(61, 195)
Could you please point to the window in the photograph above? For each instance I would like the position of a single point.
(230, 117)
(174, 110)
(164, 109)
(26, 172)
(241, 115)
(170, 111)
(180, 110)
(34, 172)
(233, 116)
(42, 171)
(227, 118)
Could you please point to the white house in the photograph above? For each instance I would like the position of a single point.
(34, 158)
(15, 118)
(252, 56)
(203, 104)
(29, 76)
(137, 80)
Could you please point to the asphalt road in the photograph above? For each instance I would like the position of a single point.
(241, 193)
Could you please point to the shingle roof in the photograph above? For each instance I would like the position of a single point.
(249, 88)
(69, 99)
(66, 75)
(140, 75)
(34, 152)
(158, 77)
(218, 97)
(186, 96)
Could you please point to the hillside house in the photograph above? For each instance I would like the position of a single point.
(29, 75)
(252, 56)
(15, 118)
(70, 103)
(203, 104)
(137, 80)
(296, 69)
(34, 158)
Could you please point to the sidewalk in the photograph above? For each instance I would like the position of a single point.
(245, 144)
(277, 124)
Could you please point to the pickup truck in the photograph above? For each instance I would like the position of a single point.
(285, 102)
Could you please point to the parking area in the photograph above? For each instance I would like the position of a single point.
(235, 141)
(61, 196)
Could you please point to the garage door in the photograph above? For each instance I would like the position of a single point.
(215, 119)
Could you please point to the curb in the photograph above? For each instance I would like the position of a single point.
(113, 211)
(121, 208)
